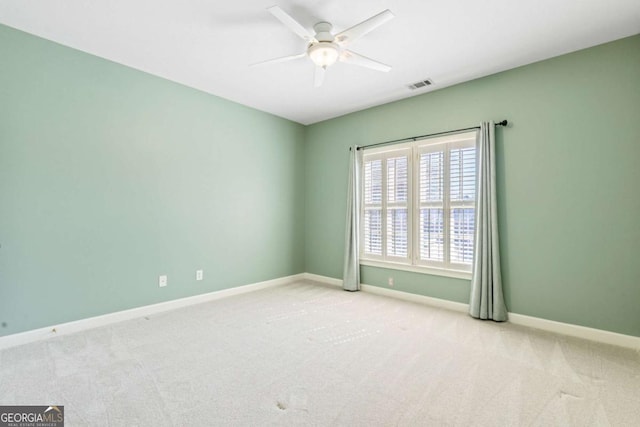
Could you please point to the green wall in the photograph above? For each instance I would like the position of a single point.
(110, 177)
(568, 180)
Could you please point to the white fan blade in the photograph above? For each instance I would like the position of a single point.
(291, 23)
(351, 57)
(281, 59)
(318, 77)
(359, 30)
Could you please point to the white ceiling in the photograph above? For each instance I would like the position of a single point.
(208, 45)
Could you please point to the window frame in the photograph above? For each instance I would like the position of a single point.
(414, 149)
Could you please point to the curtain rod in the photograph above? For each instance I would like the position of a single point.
(414, 138)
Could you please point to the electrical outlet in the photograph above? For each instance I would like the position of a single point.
(390, 281)
(199, 274)
(162, 281)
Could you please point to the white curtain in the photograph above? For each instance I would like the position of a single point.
(351, 273)
(487, 300)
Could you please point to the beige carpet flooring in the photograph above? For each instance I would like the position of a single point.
(308, 354)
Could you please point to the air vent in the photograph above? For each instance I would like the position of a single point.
(420, 84)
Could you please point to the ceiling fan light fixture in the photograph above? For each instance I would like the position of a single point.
(324, 54)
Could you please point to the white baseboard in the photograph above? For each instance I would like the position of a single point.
(323, 279)
(147, 310)
(421, 299)
(393, 293)
(591, 334)
(568, 329)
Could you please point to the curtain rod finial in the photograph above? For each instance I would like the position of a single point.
(502, 123)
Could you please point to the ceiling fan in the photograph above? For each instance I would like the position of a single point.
(324, 48)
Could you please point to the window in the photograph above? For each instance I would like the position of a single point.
(418, 205)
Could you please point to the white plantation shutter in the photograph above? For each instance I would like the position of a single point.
(398, 206)
(462, 204)
(419, 203)
(386, 206)
(372, 242)
(431, 190)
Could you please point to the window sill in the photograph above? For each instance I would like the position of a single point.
(466, 275)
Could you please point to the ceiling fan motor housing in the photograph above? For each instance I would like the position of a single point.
(323, 32)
